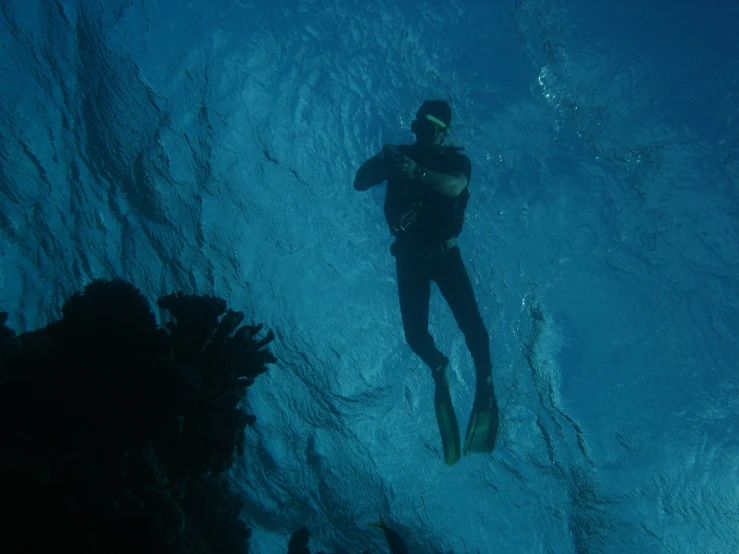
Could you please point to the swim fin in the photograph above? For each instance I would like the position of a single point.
(445, 416)
(482, 429)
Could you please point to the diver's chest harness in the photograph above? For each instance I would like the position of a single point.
(408, 218)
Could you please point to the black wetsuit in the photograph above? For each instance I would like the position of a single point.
(422, 220)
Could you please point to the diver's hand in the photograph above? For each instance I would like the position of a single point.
(407, 167)
(396, 161)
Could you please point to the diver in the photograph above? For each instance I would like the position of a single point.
(426, 196)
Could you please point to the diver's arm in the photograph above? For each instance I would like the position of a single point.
(447, 184)
(373, 172)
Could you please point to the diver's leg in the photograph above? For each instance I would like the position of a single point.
(414, 290)
(454, 283)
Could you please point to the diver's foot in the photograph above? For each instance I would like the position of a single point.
(482, 430)
(445, 416)
(441, 374)
(485, 394)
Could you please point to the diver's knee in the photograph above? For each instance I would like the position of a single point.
(474, 327)
(416, 339)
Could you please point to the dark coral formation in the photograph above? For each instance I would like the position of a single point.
(115, 435)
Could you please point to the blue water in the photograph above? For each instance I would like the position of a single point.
(211, 147)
